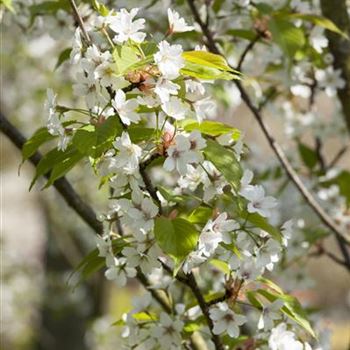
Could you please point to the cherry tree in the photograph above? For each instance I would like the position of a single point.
(187, 212)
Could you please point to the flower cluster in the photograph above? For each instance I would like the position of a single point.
(147, 106)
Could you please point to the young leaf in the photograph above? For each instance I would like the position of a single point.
(177, 237)
(308, 155)
(286, 35)
(31, 146)
(315, 19)
(207, 59)
(94, 140)
(56, 163)
(62, 168)
(92, 262)
(242, 33)
(225, 161)
(8, 5)
(212, 128)
(138, 133)
(64, 56)
(200, 215)
(124, 57)
(206, 73)
(48, 7)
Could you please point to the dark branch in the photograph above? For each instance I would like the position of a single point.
(62, 185)
(336, 11)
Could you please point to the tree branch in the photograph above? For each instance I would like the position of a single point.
(80, 21)
(336, 11)
(319, 211)
(62, 185)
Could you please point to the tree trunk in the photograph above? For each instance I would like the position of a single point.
(336, 11)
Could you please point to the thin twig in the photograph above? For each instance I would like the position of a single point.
(247, 50)
(322, 251)
(80, 21)
(337, 157)
(320, 212)
(319, 154)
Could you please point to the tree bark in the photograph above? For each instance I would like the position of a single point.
(336, 11)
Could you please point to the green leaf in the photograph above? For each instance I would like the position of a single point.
(84, 139)
(50, 160)
(63, 56)
(169, 196)
(206, 73)
(253, 299)
(31, 146)
(200, 215)
(92, 262)
(49, 7)
(100, 8)
(317, 20)
(262, 223)
(221, 265)
(62, 168)
(124, 57)
(308, 155)
(212, 128)
(207, 59)
(138, 134)
(149, 48)
(225, 161)
(177, 237)
(242, 33)
(94, 140)
(287, 36)
(192, 326)
(8, 5)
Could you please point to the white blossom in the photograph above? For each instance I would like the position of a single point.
(225, 320)
(106, 73)
(193, 260)
(126, 27)
(176, 23)
(175, 108)
(214, 232)
(139, 212)
(168, 332)
(164, 88)
(126, 108)
(54, 124)
(180, 154)
(283, 339)
(118, 271)
(330, 79)
(77, 47)
(129, 154)
(139, 257)
(268, 254)
(258, 203)
(169, 59)
(269, 314)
